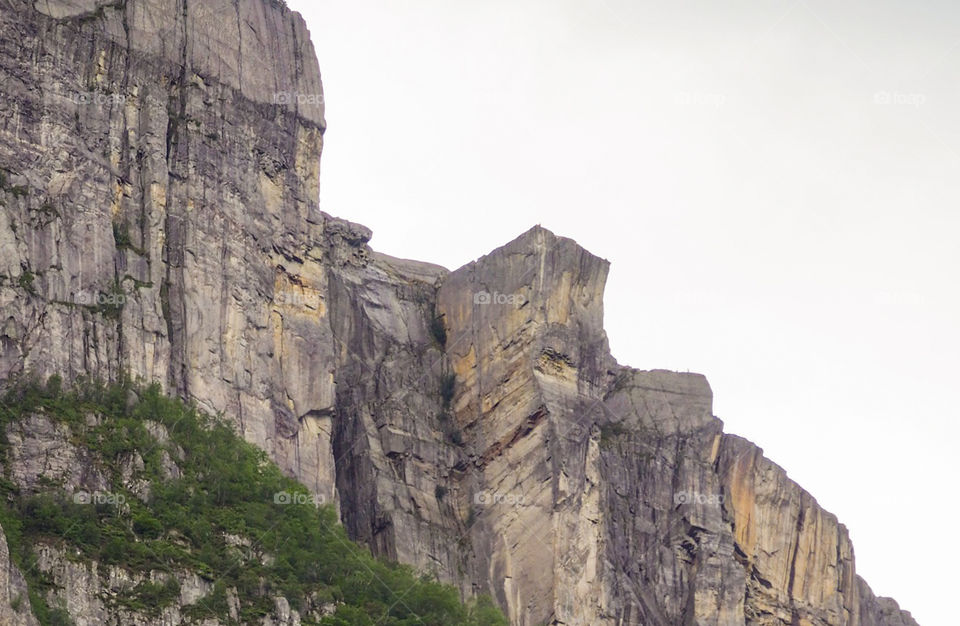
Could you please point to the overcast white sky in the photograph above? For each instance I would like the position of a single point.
(774, 182)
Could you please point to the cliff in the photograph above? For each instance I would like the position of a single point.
(160, 167)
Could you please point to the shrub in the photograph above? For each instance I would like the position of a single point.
(227, 487)
(448, 385)
(153, 596)
(121, 235)
(26, 282)
(610, 431)
(438, 330)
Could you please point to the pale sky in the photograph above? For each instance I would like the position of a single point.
(774, 182)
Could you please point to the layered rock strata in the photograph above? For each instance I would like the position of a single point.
(160, 164)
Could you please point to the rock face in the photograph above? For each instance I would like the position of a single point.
(160, 164)
(42, 453)
(160, 183)
(619, 482)
(14, 605)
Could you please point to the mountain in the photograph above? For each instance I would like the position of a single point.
(159, 172)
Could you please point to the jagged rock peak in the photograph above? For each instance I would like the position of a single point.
(159, 168)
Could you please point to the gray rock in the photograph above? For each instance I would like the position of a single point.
(41, 453)
(160, 166)
(14, 601)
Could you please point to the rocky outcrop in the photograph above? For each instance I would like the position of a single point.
(14, 602)
(159, 164)
(42, 453)
(92, 594)
(529, 353)
(620, 482)
(874, 610)
(160, 180)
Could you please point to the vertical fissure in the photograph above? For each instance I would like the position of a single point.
(175, 226)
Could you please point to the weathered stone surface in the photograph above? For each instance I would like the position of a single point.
(886, 611)
(160, 163)
(90, 594)
(14, 603)
(252, 46)
(41, 453)
(159, 210)
(526, 343)
(391, 453)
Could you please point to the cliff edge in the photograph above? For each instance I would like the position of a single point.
(159, 167)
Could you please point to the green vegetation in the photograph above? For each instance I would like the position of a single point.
(99, 13)
(123, 240)
(121, 235)
(223, 517)
(456, 436)
(42, 216)
(26, 282)
(610, 431)
(448, 385)
(137, 284)
(438, 329)
(16, 190)
(110, 304)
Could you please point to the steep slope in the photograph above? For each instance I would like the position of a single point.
(122, 506)
(159, 164)
(618, 481)
(161, 203)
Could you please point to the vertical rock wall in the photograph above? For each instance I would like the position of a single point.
(619, 482)
(159, 209)
(14, 602)
(529, 353)
(159, 164)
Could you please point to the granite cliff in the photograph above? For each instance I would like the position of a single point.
(159, 167)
